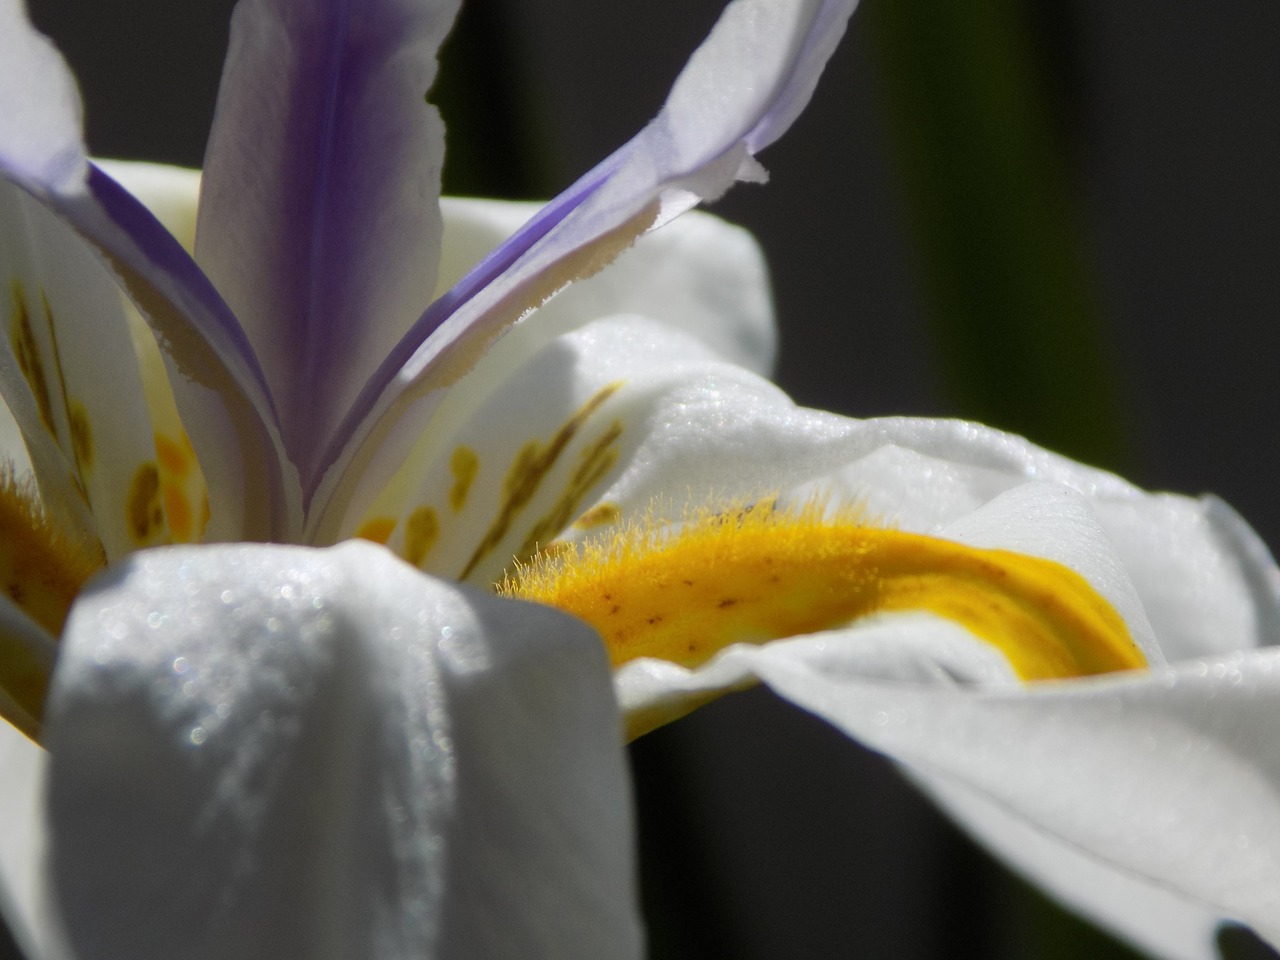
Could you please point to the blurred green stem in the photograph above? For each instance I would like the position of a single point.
(1015, 317)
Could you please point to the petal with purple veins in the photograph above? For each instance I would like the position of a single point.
(319, 219)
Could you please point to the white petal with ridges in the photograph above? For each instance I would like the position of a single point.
(1168, 775)
(356, 760)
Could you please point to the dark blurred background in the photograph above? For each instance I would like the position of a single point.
(1058, 217)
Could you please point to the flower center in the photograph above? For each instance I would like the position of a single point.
(761, 573)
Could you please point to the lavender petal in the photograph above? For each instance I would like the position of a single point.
(219, 387)
(319, 219)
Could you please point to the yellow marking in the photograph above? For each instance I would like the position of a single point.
(421, 531)
(181, 486)
(465, 465)
(530, 467)
(42, 571)
(81, 436)
(27, 352)
(377, 530)
(172, 456)
(177, 510)
(593, 465)
(144, 508)
(756, 574)
(601, 515)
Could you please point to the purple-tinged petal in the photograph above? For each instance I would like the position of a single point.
(39, 107)
(221, 394)
(319, 219)
(72, 380)
(739, 92)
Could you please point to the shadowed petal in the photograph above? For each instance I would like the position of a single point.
(702, 275)
(356, 760)
(1153, 918)
(318, 219)
(224, 402)
(222, 393)
(23, 839)
(72, 378)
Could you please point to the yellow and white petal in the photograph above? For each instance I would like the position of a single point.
(508, 469)
(172, 194)
(1162, 781)
(72, 381)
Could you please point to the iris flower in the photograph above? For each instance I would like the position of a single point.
(259, 745)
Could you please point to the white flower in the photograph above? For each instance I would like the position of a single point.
(266, 750)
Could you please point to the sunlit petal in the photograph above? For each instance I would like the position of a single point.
(1169, 776)
(700, 274)
(363, 761)
(517, 459)
(1146, 914)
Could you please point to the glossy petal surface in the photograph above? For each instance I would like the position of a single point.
(355, 759)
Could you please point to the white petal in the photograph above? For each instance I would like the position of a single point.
(700, 274)
(22, 840)
(1150, 917)
(1169, 777)
(269, 751)
(1203, 578)
(544, 430)
(79, 400)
